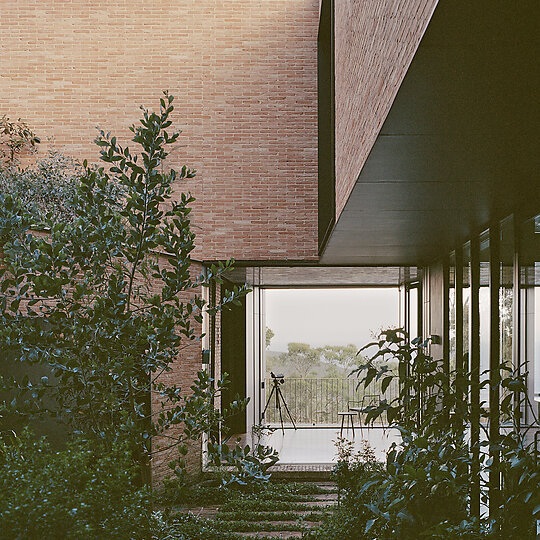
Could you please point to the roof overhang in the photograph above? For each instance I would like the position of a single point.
(459, 146)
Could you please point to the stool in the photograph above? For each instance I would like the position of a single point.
(350, 419)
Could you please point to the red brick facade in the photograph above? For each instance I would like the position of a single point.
(244, 75)
(375, 41)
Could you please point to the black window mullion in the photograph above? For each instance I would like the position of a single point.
(460, 368)
(494, 365)
(474, 354)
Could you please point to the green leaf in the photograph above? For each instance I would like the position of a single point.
(386, 382)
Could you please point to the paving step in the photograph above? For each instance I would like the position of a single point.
(284, 515)
(324, 497)
(260, 526)
(295, 473)
(303, 511)
(279, 506)
(272, 534)
(318, 504)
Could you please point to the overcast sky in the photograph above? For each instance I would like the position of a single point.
(329, 316)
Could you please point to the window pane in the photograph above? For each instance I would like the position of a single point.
(506, 301)
(452, 311)
(466, 285)
(485, 317)
(529, 254)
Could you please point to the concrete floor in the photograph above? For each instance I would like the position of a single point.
(315, 445)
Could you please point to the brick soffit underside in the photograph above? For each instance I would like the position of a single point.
(375, 42)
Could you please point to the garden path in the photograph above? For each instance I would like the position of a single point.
(273, 516)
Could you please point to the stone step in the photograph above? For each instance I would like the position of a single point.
(264, 516)
(319, 504)
(301, 473)
(270, 525)
(289, 506)
(275, 523)
(324, 497)
(272, 534)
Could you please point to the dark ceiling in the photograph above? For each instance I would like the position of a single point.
(459, 146)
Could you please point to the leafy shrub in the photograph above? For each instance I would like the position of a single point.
(353, 467)
(47, 189)
(82, 491)
(249, 465)
(93, 303)
(426, 488)
(244, 466)
(354, 474)
(189, 527)
(15, 138)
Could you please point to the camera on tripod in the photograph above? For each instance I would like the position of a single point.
(279, 378)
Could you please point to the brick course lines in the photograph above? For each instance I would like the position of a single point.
(375, 41)
(244, 75)
(183, 371)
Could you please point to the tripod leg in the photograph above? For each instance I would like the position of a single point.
(278, 403)
(286, 408)
(268, 402)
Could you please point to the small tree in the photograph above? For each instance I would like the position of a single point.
(15, 137)
(108, 300)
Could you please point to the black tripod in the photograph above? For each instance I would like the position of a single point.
(277, 381)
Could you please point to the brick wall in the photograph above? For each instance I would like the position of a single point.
(243, 72)
(375, 41)
(183, 370)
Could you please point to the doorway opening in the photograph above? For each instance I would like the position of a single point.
(306, 326)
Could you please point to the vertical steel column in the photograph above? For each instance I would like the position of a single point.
(458, 278)
(474, 355)
(407, 309)
(517, 330)
(446, 315)
(420, 309)
(494, 365)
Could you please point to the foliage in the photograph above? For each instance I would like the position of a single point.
(354, 466)
(109, 300)
(426, 487)
(189, 527)
(353, 471)
(268, 335)
(301, 360)
(212, 491)
(13, 221)
(15, 138)
(48, 189)
(244, 466)
(84, 491)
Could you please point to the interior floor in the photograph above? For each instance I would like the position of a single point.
(317, 445)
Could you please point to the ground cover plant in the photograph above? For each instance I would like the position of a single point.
(91, 314)
(426, 486)
(83, 491)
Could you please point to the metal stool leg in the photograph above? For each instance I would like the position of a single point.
(352, 425)
(342, 422)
